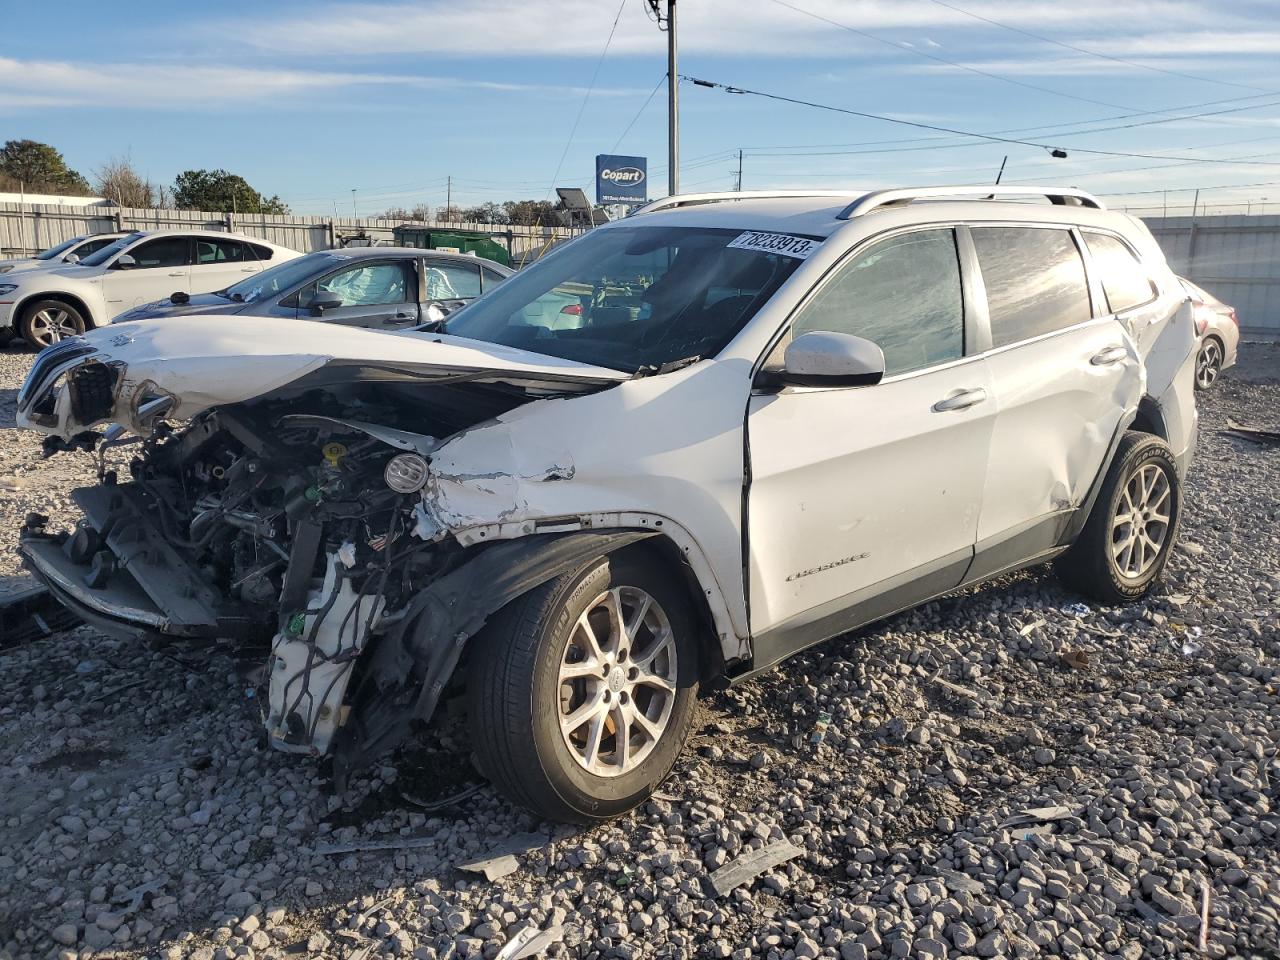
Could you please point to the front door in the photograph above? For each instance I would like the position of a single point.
(382, 294)
(163, 267)
(863, 500)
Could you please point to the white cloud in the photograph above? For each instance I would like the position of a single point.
(49, 83)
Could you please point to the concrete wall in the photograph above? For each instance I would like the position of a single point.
(1236, 258)
(26, 229)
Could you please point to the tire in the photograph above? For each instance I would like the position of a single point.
(1098, 563)
(516, 695)
(1209, 362)
(47, 321)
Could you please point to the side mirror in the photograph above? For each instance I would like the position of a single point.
(324, 300)
(125, 262)
(71, 258)
(828, 359)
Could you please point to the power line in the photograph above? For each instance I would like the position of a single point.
(647, 100)
(965, 133)
(951, 63)
(587, 96)
(1094, 53)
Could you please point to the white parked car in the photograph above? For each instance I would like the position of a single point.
(43, 306)
(771, 420)
(65, 253)
(1219, 329)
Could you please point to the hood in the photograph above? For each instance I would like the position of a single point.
(178, 367)
(206, 304)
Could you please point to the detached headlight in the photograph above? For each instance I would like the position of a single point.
(7, 288)
(406, 473)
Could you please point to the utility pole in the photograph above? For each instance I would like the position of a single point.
(739, 187)
(448, 202)
(353, 202)
(673, 104)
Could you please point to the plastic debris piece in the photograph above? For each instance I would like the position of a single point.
(493, 868)
(1202, 942)
(530, 942)
(347, 554)
(1077, 609)
(747, 866)
(1256, 434)
(624, 877)
(448, 801)
(1190, 648)
(1041, 815)
(367, 846)
(820, 728)
(1030, 627)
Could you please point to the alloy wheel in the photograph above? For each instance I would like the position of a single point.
(51, 324)
(1140, 525)
(617, 681)
(1208, 363)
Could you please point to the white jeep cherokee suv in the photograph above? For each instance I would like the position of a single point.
(750, 423)
(43, 306)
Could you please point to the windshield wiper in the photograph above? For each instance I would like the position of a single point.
(652, 370)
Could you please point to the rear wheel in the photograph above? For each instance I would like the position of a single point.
(1208, 363)
(47, 321)
(581, 692)
(1128, 537)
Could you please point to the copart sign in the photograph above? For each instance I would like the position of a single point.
(621, 179)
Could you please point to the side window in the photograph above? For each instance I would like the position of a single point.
(257, 251)
(1124, 280)
(491, 278)
(452, 281)
(1035, 281)
(219, 251)
(93, 246)
(367, 284)
(903, 294)
(165, 252)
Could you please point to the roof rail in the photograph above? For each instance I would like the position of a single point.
(692, 199)
(883, 198)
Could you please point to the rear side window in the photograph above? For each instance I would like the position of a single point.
(1035, 281)
(452, 281)
(220, 251)
(1124, 280)
(903, 294)
(257, 251)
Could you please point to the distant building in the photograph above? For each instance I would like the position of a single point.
(53, 199)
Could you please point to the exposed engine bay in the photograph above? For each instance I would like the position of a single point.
(294, 521)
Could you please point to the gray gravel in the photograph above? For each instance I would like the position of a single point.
(141, 814)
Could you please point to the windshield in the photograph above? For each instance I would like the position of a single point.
(59, 249)
(281, 277)
(109, 251)
(633, 297)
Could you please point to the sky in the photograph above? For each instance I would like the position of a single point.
(509, 98)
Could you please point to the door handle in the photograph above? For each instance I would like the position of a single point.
(961, 400)
(180, 273)
(248, 269)
(403, 318)
(1109, 356)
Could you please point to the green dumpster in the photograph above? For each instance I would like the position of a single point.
(456, 241)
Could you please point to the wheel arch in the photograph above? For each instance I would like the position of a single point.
(62, 296)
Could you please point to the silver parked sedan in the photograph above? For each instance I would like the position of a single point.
(1219, 331)
(386, 288)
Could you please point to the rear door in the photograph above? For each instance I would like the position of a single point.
(220, 263)
(381, 294)
(863, 500)
(1065, 374)
(163, 266)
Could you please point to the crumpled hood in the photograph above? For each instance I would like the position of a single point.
(206, 304)
(198, 362)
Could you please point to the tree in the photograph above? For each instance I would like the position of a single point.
(222, 191)
(485, 213)
(449, 215)
(39, 168)
(530, 212)
(120, 183)
(420, 212)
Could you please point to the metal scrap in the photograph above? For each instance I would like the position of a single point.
(530, 942)
(747, 866)
(493, 868)
(1261, 435)
(1038, 815)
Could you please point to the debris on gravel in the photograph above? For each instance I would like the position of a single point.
(1002, 773)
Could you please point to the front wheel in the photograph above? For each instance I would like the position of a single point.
(48, 321)
(1128, 537)
(581, 692)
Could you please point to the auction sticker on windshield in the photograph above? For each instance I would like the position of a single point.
(783, 243)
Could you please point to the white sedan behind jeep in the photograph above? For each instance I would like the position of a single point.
(43, 306)
(765, 420)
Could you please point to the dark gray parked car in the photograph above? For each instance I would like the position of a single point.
(381, 287)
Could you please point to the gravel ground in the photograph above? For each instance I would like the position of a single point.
(141, 814)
